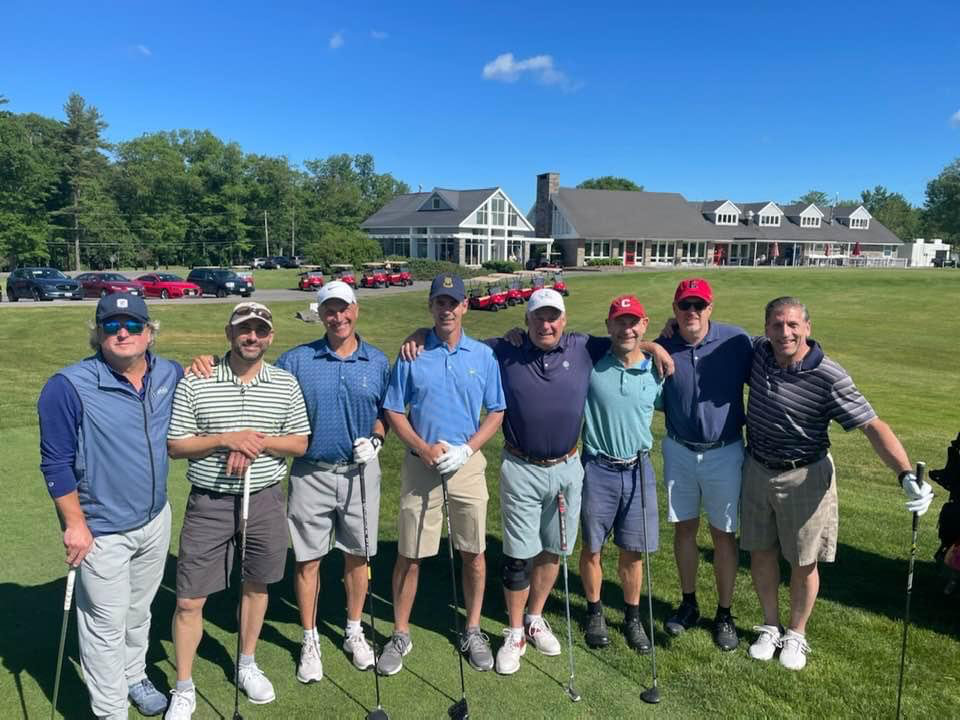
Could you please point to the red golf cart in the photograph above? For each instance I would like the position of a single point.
(311, 280)
(398, 273)
(344, 273)
(374, 275)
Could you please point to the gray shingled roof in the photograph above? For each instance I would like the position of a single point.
(402, 210)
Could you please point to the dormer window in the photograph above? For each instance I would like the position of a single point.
(436, 203)
(809, 222)
(770, 220)
(859, 223)
(727, 219)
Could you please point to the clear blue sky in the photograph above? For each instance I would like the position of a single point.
(749, 101)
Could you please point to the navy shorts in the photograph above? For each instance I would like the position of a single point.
(612, 504)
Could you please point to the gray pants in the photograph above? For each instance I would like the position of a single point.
(116, 585)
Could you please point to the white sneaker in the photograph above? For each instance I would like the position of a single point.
(256, 686)
(513, 648)
(182, 705)
(542, 638)
(357, 646)
(795, 649)
(310, 668)
(766, 645)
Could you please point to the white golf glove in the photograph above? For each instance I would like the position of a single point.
(366, 449)
(919, 496)
(454, 458)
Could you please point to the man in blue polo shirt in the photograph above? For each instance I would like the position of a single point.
(703, 450)
(446, 388)
(624, 390)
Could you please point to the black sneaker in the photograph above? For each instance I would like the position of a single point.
(683, 618)
(725, 633)
(636, 636)
(595, 631)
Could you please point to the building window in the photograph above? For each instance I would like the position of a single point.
(770, 220)
(810, 222)
(421, 248)
(513, 218)
(401, 247)
(482, 214)
(727, 219)
(445, 249)
(859, 223)
(662, 252)
(436, 203)
(420, 231)
(497, 208)
(596, 249)
(694, 252)
(474, 251)
(514, 250)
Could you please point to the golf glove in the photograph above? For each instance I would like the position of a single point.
(919, 496)
(454, 458)
(366, 449)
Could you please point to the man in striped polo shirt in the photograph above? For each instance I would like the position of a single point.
(789, 493)
(248, 413)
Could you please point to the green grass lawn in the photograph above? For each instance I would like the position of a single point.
(895, 331)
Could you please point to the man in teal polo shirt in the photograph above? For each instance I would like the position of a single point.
(624, 391)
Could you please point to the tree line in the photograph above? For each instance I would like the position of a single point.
(70, 198)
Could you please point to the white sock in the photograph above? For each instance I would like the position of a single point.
(516, 632)
(184, 685)
(353, 628)
(529, 619)
(310, 634)
(246, 660)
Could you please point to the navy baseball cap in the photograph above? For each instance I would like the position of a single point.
(121, 304)
(449, 285)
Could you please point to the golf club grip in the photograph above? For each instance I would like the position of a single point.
(245, 512)
(562, 511)
(921, 472)
(68, 595)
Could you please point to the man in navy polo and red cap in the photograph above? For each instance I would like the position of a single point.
(103, 451)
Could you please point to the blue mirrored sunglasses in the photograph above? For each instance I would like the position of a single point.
(112, 327)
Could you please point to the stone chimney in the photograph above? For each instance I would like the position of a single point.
(547, 186)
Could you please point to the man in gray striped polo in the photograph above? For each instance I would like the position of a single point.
(789, 492)
(248, 413)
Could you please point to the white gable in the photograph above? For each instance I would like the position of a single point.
(498, 210)
(771, 208)
(861, 214)
(726, 208)
(811, 210)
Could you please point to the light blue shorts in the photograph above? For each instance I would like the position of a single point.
(713, 475)
(528, 505)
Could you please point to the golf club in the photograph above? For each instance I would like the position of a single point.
(562, 513)
(459, 710)
(67, 601)
(921, 470)
(379, 713)
(244, 513)
(652, 694)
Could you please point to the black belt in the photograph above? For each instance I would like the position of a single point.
(615, 463)
(787, 464)
(700, 447)
(542, 462)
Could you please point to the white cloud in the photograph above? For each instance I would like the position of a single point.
(955, 120)
(143, 50)
(506, 68)
(378, 35)
(336, 40)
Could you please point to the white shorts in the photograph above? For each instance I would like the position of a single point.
(713, 475)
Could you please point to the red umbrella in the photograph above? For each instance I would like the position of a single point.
(775, 250)
(856, 249)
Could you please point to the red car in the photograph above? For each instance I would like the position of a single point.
(99, 284)
(311, 280)
(167, 285)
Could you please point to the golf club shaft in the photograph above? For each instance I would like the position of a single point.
(366, 556)
(453, 581)
(646, 563)
(67, 601)
(562, 514)
(244, 514)
(921, 471)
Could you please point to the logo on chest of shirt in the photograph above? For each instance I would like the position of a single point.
(162, 390)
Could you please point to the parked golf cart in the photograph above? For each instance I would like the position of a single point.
(512, 286)
(374, 275)
(343, 273)
(479, 297)
(557, 282)
(398, 273)
(311, 280)
(527, 283)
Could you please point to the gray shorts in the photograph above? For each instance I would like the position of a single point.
(211, 534)
(612, 504)
(324, 510)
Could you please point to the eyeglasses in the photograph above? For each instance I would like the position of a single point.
(112, 327)
(698, 305)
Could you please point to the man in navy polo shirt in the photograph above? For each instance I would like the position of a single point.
(703, 450)
(446, 389)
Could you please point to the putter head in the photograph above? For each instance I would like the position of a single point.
(459, 710)
(572, 693)
(378, 714)
(651, 695)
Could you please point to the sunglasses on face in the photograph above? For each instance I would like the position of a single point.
(112, 327)
(698, 305)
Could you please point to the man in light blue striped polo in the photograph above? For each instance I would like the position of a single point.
(248, 413)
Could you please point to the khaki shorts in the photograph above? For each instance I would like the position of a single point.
(795, 509)
(420, 522)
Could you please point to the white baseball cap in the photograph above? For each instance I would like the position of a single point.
(545, 297)
(336, 290)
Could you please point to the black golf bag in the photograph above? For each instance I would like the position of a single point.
(948, 526)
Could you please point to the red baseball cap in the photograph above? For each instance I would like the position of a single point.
(626, 305)
(694, 287)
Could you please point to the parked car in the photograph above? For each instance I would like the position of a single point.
(220, 282)
(286, 262)
(42, 283)
(167, 285)
(100, 284)
(258, 262)
(246, 275)
(942, 262)
(310, 280)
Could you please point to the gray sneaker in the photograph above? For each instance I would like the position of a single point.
(391, 659)
(476, 644)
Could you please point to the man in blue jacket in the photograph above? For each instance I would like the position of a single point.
(103, 449)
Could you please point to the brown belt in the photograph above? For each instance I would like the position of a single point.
(542, 462)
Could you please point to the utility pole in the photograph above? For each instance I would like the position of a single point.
(293, 232)
(266, 232)
(76, 226)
